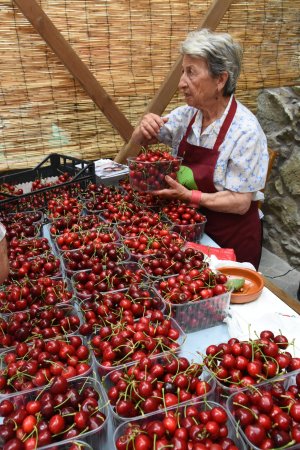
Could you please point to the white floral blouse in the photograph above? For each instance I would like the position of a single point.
(243, 162)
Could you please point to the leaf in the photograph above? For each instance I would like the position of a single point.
(235, 284)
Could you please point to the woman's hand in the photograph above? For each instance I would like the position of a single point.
(222, 201)
(176, 191)
(147, 131)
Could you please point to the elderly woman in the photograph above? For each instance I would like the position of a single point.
(4, 266)
(224, 149)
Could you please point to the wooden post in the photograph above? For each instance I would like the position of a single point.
(47, 30)
(168, 88)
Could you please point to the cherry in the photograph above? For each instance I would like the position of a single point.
(255, 433)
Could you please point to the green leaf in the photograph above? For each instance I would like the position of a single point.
(235, 284)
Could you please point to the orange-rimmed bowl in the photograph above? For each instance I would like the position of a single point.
(252, 288)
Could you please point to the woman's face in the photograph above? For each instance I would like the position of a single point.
(197, 85)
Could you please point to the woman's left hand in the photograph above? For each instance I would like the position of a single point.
(176, 191)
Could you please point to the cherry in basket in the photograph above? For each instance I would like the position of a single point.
(38, 293)
(156, 383)
(36, 364)
(118, 344)
(237, 364)
(147, 171)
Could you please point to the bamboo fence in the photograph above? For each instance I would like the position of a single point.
(129, 46)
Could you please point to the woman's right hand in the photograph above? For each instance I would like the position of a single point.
(147, 131)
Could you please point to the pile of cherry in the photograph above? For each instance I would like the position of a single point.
(74, 303)
(153, 384)
(148, 170)
(61, 411)
(199, 426)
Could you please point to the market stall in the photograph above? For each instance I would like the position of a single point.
(74, 276)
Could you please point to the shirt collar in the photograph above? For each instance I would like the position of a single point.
(214, 127)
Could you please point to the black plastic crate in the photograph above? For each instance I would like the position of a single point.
(53, 165)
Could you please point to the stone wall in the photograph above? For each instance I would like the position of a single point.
(279, 114)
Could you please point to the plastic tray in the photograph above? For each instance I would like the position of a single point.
(52, 166)
(121, 252)
(201, 406)
(176, 240)
(82, 296)
(74, 224)
(29, 248)
(100, 231)
(26, 358)
(163, 360)
(103, 370)
(20, 216)
(192, 232)
(95, 438)
(146, 176)
(40, 298)
(19, 231)
(34, 275)
(68, 310)
(284, 380)
(53, 215)
(201, 314)
(115, 309)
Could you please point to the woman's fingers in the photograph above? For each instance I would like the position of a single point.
(151, 124)
(172, 183)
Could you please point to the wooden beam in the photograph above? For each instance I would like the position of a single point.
(60, 46)
(168, 88)
(284, 296)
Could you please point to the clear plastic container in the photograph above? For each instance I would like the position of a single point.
(37, 272)
(37, 216)
(93, 303)
(286, 381)
(61, 287)
(95, 438)
(103, 253)
(53, 215)
(201, 314)
(104, 370)
(108, 282)
(147, 176)
(29, 248)
(6, 393)
(224, 391)
(152, 237)
(74, 224)
(105, 233)
(167, 270)
(201, 406)
(19, 231)
(26, 330)
(163, 360)
(191, 232)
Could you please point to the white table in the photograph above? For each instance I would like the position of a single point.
(267, 304)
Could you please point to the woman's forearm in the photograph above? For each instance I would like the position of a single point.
(227, 201)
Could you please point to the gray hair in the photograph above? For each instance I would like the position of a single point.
(220, 51)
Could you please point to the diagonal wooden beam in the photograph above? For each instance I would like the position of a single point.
(168, 88)
(60, 46)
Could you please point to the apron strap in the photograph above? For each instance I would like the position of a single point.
(226, 124)
(184, 139)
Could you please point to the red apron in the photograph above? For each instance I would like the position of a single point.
(240, 232)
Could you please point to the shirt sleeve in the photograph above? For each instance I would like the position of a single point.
(2, 231)
(248, 164)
